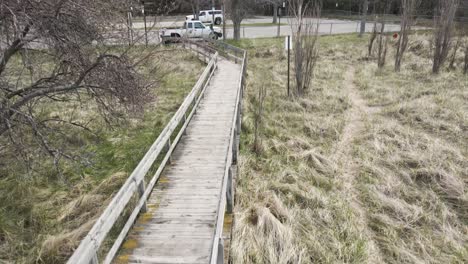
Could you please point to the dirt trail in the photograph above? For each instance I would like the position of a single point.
(355, 124)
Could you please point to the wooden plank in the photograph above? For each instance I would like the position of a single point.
(168, 259)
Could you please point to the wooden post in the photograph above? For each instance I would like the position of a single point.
(95, 259)
(141, 192)
(220, 259)
(168, 147)
(234, 146)
(238, 125)
(185, 121)
(229, 193)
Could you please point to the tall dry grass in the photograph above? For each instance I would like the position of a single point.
(408, 200)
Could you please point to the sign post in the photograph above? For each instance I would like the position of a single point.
(144, 20)
(288, 46)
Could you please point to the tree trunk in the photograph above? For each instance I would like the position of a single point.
(275, 13)
(364, 18)
(443, 33)
(383, 46)
(237, 30)
(372, 38)
(197, 10)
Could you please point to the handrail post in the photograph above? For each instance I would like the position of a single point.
(234, 146)
(220, 259)
(168, 147)
(185, 121)
(141, 192)
(95, 259)
(239, 117)
(229, 193)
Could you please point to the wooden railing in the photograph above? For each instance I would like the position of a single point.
(226, 202)
(87, 251)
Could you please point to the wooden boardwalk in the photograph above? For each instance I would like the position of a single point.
(180, 223)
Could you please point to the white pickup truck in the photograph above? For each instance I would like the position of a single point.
(206, 16)
(191, 29)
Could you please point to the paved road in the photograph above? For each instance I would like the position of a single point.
(327, 26)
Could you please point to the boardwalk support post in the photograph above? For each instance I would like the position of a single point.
(95, 259)
(229, 193)
(141, 192)
(234, 147)
(185, 121)
(220, 259)
(168, 146)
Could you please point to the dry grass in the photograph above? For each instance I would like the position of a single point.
(42, 219)
(399, 196)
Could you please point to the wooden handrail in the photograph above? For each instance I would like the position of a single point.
(217, 254)
(89, 246)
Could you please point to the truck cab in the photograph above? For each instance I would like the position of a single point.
(206, 16)
(192, 29)
(196, 29)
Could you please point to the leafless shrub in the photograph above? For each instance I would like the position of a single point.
(446, 11)
(453, 57)
(383, 47)
(238, 10)
(372, 38)
(304, 26)
(54, 53)
(259, 106)
(407, 20)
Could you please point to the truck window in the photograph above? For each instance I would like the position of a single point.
(210, 13)
(202, 14)
(218, 12)
(190, 25)
(199, 25)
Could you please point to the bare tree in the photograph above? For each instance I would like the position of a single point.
(195, 4)
(238, 9)
(365, 7)
(53, 52)
(304, 24)
(383, 47)
(372, 38)
(408, 8)
(275, 4)
(443, 33)
(453, 57)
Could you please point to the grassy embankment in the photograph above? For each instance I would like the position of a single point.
(369, 167)
(43, 217)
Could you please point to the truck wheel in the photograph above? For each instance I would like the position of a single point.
(213, 36)
(218, 21)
